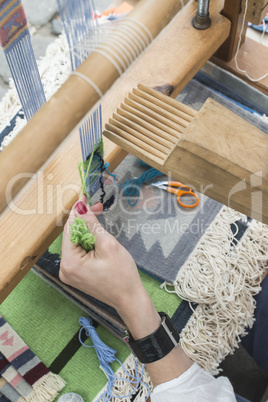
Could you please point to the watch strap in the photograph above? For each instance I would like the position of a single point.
(158, 344)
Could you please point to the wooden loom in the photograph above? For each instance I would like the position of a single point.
(180, 52)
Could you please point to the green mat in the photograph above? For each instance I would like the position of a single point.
(49, 323)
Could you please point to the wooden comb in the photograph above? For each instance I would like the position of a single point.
(213, 150)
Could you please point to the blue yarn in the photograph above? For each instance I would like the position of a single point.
(106, 356)
(132, 188)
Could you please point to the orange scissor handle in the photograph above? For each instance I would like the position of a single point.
(181, 193)
(186, 190)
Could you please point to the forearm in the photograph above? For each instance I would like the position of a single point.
(142, 319)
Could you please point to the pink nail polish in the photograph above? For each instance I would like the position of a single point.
(81, 208)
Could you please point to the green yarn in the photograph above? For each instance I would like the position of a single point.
(89, 171)
(81, 235)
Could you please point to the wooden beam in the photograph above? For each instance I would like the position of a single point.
(256, 10)
(232, 11)
(42, 208)
(76, 98)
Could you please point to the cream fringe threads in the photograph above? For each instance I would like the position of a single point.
(46, 389)
(124, 387)
(223, 280)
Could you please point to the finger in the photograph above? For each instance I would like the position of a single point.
(97, 208)
(84, 199)
(92, 222)
(68, 248)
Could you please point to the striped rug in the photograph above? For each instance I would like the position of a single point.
(23, 375)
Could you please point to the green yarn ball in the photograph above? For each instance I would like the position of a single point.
(81, 235)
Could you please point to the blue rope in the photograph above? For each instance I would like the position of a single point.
(106, 356)
(132, 188)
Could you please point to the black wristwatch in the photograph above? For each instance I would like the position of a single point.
(157, 345)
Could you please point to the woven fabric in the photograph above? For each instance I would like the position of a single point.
(22, 371)
(8, 392)
(13, 23)
(16, 42)
(13, 378)
(51, 328)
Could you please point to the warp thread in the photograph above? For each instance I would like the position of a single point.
(16, 42)
(106, 356)
(132, 188)
(79, 23)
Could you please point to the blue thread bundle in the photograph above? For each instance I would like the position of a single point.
(132, 188)
(106, 356)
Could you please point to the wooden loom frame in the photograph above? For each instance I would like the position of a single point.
(26, 237)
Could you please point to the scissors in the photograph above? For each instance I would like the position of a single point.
(175, 187)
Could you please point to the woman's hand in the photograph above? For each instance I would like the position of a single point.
(108, 272)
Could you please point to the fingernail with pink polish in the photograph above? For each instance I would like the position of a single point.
(81, 208)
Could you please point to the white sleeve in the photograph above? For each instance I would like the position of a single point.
(195, 385)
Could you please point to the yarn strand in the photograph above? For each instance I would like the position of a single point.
(238, 48)
(132, 188)
(106, 356)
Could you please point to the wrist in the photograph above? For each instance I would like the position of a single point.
(140, 315)
(158, 344)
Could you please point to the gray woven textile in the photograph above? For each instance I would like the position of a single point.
(159, 233)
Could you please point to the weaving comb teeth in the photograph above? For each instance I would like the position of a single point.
(212, 149)
(149, 124)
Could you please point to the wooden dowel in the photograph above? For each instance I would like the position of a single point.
(61, 115)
